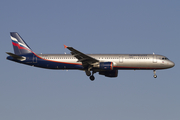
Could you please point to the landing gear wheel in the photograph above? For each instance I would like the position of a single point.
(88, 73)
(155, 76)
(92, 78)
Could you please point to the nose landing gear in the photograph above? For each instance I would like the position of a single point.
(155, 76)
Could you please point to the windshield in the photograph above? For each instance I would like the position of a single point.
(165, 58)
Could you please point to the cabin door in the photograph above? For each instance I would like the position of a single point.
(154, 59)
(34, 59)
(121, 59)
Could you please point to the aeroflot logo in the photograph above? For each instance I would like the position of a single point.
(16, 41)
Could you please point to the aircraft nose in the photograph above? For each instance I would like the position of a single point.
(171, 64)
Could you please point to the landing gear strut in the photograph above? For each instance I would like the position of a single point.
(88, 73)
(155, 76)
(92, 78)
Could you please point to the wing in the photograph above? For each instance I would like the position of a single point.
(85, 59)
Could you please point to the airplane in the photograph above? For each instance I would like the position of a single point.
(106, 64)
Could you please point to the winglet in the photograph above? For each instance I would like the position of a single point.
(65, 46)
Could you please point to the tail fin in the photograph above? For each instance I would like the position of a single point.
(19, 45)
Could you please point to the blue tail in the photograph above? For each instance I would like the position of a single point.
(19, 45)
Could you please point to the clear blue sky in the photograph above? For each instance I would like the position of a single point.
(95, 26)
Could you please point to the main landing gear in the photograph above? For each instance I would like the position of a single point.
(155, 76)
(92, 77)
(88, 73)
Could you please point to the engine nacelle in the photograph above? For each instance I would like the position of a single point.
(111, 73)
(106, 65)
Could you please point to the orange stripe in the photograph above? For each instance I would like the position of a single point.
(111, 66)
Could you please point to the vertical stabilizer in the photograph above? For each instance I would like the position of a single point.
(19, 45)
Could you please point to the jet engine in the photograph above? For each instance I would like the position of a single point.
(106, 65)
(110, 73)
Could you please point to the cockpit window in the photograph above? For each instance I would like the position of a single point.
(165, 58)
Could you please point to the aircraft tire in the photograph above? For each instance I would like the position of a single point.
(92, 78)
(155, 76)
(88, 73)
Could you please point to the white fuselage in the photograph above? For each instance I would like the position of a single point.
(120, 61)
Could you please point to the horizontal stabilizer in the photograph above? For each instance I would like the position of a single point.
(17, 57)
